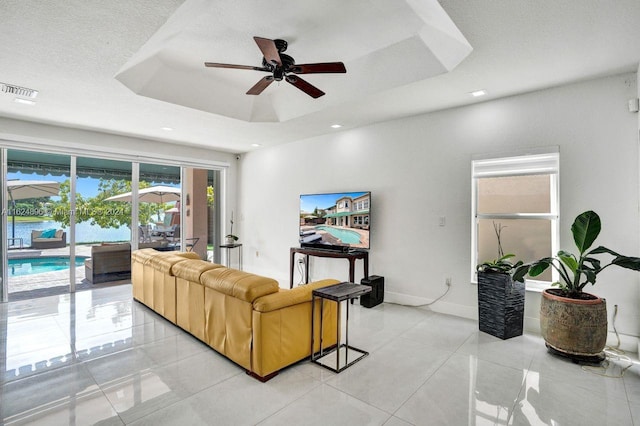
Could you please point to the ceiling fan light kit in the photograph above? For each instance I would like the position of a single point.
(283, 67)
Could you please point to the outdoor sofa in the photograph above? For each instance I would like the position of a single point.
(111, 261)
(58, 238)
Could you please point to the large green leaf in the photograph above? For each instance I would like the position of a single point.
(520, 272)
(586, 229)
(569, 260)
(627, 262)
(538, 268)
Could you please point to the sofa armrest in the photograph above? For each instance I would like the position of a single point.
(284, 298)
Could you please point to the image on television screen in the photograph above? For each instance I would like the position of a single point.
(337, 220)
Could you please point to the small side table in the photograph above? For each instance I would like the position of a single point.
(337, 293)
(229, 247)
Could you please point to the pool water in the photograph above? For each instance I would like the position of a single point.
(344, 235)
(39, 265)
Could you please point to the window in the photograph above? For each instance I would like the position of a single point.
(517, 197)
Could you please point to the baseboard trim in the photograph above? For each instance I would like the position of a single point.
(628, 343)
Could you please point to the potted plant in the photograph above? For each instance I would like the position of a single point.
(230, 238)
(500, 299)
(573, 323)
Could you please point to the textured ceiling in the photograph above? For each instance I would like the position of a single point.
(414, 34)
(71, 52)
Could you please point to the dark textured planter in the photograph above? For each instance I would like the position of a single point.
(500, 305)
(573, 327)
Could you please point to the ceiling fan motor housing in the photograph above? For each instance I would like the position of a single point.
(283, 67)
(279, 72)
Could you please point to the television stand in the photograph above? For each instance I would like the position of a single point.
(351, 256)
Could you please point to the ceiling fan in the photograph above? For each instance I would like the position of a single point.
(283, 67)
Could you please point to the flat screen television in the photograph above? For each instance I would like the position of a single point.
(336, 221)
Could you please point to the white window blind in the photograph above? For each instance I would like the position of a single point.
(517, 166)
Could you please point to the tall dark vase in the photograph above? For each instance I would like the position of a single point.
(500, 305)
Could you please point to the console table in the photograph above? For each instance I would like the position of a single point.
(350, 256)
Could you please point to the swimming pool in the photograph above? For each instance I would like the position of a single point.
(39, 265)
(344, 235)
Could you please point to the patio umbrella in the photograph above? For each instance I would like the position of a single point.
(23, 189)
(154, 194)
(158, 194)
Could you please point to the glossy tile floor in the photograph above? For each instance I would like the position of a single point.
(99, 357)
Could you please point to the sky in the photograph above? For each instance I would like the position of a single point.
(308, 202)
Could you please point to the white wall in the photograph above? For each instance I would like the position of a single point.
(418, 169)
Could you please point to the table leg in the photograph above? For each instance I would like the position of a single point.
(291, 263)
(313, 316)
(321, 321)
(306, 269)
(352, 272)
(366, 265)
(338, 341)
(346, 337)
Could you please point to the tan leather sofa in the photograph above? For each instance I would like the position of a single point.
(245, 317)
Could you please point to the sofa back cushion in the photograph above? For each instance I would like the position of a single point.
(192, 269)
(123, 247)
(241, 285)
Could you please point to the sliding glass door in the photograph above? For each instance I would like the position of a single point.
(61, 209)
(37, 240)
(100, 222)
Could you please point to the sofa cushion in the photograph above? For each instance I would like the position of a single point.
(284, 298)
(142, 255)
(163, 261)
(239, 284)
(48, 233)
(191, 269)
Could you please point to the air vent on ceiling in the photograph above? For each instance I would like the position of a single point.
(18, 91)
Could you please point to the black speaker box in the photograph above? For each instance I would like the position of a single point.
(376, 296)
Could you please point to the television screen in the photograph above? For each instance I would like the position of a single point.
(338, 220)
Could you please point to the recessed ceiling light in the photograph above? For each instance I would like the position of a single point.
(256, 145)
(24, 101)
(477, 93)
(336, 126)
(167, 129)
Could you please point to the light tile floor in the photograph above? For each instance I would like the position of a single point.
(98, 357)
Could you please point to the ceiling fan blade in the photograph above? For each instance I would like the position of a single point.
(320, 68)
(305, 86)
(269, 50)
(238, 67)
(260, 85)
